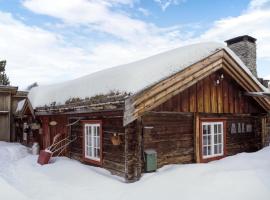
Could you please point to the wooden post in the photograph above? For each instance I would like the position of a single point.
(263, 136)
(138, 150)
(129, 154)
(133, 151)
(197, 137)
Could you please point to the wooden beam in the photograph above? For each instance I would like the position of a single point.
(197, 137)
(178, 77)
(159, 93)
(180, 86)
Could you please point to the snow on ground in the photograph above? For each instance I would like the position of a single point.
(244, 176)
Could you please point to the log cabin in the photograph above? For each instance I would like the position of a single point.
(193, 104)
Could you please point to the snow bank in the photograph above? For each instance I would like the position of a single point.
(244, 176)
(10, 152)
(130, 78)
(7, 192)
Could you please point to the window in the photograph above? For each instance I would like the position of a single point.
(92, 142)
(212, 139)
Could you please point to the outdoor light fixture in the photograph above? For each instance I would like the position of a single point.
(219, 79)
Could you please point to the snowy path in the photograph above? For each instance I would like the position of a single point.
(244, 176)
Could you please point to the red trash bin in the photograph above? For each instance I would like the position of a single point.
(44, 157)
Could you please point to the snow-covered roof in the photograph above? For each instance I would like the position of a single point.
(131, 78)
(20, 105)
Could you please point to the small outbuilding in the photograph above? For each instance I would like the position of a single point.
(9, 98)
(191, 104)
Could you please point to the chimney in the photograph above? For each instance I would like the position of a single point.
(245, 48)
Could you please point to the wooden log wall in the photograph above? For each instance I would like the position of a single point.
(171, 135)
(208, 97)
(113, 156)
(242, 140)
(265, 131)
(133, 152)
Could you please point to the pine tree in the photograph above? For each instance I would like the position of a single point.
(4, 80)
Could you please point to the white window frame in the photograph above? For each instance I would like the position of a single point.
(212, 142)
(92, 141)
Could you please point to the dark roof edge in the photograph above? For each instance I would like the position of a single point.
(241, 38)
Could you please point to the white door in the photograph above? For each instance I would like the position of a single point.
(92, 141)
(212, 139)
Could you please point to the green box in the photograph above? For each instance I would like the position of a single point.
(150, 160)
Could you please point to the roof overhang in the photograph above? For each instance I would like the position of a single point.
(159, 93)
(8, 89)
(26, 105)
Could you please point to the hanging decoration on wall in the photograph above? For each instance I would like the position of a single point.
(116, 140)
(233, 128)
(35, 126)
(249, 128)
(243, 128)
(219, 79)
(239, 128)
(53, 123)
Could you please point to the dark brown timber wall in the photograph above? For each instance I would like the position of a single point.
(123, 160)
(171, 135)
(240, 139)
(113, 156)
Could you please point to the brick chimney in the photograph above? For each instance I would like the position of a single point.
(245, 48)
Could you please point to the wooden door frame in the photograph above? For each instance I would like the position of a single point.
(95, 162)
(198, 138)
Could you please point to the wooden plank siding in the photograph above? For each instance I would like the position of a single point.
(207, 97)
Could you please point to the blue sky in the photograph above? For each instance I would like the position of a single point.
(51, 41)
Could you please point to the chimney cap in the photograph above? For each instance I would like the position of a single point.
(240, 39)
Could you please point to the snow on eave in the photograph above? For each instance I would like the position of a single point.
(129, 78)
(20, 105)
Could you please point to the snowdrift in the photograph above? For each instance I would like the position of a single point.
(245, 176)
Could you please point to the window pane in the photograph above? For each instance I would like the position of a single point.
(215, 128)
(205, 151)
(220, 148)
(209, 150)
(215, 139)
(220, 138)
(204, 140)
(215, 149)
(98, 142)
(219, 128)
(204, 130)
(98, 131)
(209, 140)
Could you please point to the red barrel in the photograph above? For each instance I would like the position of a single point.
(44, 157)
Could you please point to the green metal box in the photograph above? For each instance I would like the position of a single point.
(150, 160)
